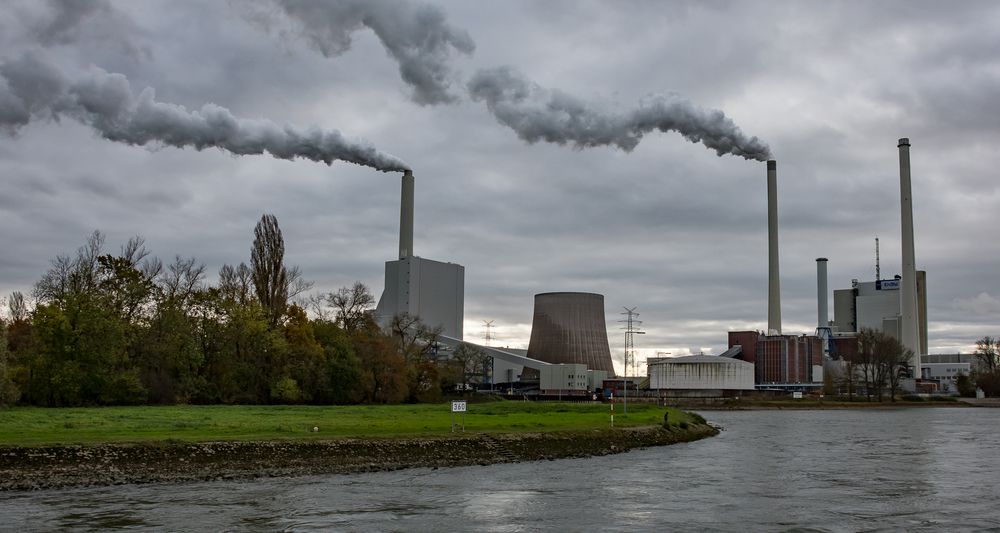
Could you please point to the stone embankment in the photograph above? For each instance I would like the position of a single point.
(28, 468)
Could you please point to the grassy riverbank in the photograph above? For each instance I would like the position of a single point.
(32, 426)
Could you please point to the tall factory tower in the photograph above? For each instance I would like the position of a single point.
(430, 290)
(909, 326)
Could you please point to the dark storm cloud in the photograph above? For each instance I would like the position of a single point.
(417, 36)
(35, 88)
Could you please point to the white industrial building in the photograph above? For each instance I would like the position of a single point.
(569, 378)
(431, 290)
(700, 375)
(876, 305)
(945, 373)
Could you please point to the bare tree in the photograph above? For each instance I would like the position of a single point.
(415, 340)
(236, 284)
(354, 305)
(472, 360)
(181, 279)
(988, 353)
(17, 307)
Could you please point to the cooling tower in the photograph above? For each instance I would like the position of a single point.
(569, 327)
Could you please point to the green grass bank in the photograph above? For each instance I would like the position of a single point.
(49, 448)
(36, 426)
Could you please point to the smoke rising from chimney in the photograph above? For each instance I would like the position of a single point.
(539, 114)
(417, 36)
(34, 88)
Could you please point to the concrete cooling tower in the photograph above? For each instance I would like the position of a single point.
(569, 327)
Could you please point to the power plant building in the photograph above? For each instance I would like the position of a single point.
(779, 359)
(700, 375)
(431, 290)
(877, 305)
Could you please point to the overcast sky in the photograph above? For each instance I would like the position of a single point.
(670, 227)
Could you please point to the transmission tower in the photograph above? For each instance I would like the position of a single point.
(631, 328)
(488, 336)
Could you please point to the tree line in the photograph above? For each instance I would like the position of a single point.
(882, 362)
(125, 329)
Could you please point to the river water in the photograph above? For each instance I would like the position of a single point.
(858, 470)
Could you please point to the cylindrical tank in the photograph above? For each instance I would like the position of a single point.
(569, 327)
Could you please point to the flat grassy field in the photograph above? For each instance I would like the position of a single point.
(35, 426)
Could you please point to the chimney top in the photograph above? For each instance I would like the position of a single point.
(905, 141)
(820, 259)
(408, 172)
(772, 164)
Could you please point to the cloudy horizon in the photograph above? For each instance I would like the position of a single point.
(647, 214)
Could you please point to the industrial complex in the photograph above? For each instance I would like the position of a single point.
(569, 354)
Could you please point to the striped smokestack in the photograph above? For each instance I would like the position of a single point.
(910, 331)
(406, 216)
(773, 282)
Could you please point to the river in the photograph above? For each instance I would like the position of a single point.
(933, 469)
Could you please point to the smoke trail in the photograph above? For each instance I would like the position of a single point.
(33, 88)
(415, 35)
(539, 114)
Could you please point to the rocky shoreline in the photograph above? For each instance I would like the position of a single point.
(33, 468)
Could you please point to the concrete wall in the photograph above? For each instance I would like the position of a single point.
(701, 372)
(564, 377)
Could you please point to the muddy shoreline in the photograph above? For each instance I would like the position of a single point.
(35, 468)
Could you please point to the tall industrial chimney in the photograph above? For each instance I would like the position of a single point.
(909, 329)
(406, 216)
(822, 317)
(773, 283)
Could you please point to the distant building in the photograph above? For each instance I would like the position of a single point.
(700, 376)
(431, 290)
(945, 373)
(875, 305)
(779, 359)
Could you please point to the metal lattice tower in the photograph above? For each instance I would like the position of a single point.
(488, 336)
(631, 329)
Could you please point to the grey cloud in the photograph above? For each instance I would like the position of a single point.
(105, 101)
(539, 114)
(417, 36)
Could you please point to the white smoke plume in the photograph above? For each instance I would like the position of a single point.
(417, 36)
(33, 88)
(539, 114)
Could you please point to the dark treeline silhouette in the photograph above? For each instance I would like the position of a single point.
(120, 329)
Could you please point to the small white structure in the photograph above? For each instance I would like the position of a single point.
(569, 378)
(700, 375)
(945, 373)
